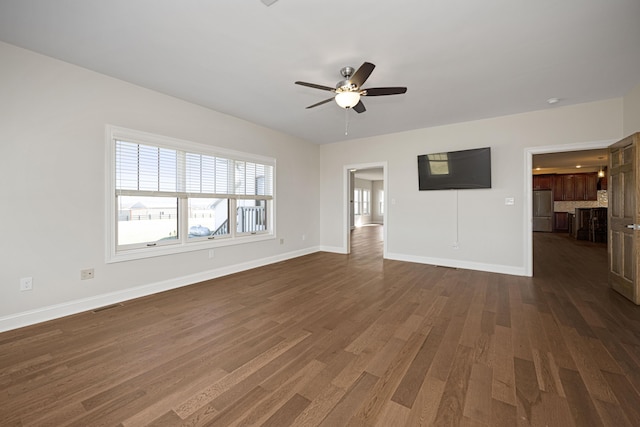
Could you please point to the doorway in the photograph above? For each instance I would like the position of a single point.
(365, 196)
(529, 193)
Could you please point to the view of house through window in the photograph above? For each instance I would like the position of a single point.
(147, 219)
(180, 195)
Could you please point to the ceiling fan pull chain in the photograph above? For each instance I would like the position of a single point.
(346, 121)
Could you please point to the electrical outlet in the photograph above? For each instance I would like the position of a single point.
(211, 253)
(455, 245)
(282, 241)
(26, 283)
(87, 274)
(304, 237)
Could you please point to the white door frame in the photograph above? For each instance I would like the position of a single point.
(528, 189)
(346, 197)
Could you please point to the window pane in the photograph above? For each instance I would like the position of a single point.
(143, 167)
(365, 202)
(146, 219)
(251, 216)
(208, 217)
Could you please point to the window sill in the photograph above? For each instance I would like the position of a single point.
(151, 252)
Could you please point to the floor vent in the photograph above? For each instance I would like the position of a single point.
(106, 307)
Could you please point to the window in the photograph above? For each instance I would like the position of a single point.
(361, 201)
(381, 201)
(168, 196)
(366, 202)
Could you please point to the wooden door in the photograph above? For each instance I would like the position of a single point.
(624, 219)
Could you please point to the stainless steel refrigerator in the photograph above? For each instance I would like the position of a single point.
(542, 210)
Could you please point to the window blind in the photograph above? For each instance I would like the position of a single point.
(150, 169)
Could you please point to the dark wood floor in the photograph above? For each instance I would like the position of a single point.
(336, 340)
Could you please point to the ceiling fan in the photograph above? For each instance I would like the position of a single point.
(348, 91)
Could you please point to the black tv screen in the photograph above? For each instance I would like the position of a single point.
(466, 169)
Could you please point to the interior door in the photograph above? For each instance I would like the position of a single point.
(624, 219)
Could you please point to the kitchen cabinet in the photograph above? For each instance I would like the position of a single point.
(561, 222)
(542, 182)
(575, 187)
(602, 183)
(591, 187)
(591, 224)
(557, 186)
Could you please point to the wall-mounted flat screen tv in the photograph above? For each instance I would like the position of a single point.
(455, 170)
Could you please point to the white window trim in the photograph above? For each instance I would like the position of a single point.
(112, 255)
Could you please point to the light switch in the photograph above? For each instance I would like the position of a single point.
(509, 201)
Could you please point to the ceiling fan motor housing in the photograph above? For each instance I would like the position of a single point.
(347, 72)
(345, 86)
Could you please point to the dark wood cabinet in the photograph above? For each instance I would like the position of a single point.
(591, 224)
(591, 187)
(575, 187)
(561, 222)
(579, 187)
(557, 186)
(542, 182)
(602, 183)
(568, 187)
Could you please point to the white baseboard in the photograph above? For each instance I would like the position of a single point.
(467, 265)
(56, 311)
(333, 249)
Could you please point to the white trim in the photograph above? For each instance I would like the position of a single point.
(44, 314)
(113, 255)
(528, 188)
(334, 249)
(454, 263)
(346, 207)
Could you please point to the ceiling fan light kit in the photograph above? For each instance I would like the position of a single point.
(347, 99)
(348, 91)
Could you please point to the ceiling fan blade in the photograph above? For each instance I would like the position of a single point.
(315, 86)
(381, 91)
(362, 74)
(359, 107)
(321, 102)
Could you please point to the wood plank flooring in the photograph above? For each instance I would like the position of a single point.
(336, 340)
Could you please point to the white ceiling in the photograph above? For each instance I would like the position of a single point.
(460, 59)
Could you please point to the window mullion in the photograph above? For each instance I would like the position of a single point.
(233, 217)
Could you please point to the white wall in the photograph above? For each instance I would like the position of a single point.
(423, 225)
(52, 169)
(632, 111)
(377, 215)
